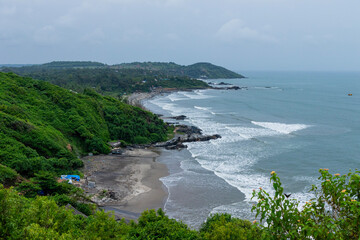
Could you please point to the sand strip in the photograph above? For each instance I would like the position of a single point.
(128, 183)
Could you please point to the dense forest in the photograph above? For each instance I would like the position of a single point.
(78, 76)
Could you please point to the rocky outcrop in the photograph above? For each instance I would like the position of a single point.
(191, 134)
(230, 88)
(188, 129)
(180, 117)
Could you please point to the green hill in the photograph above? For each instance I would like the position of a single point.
(108, 81)
(197, 70)
(73, 64)
(45, 127)
(116, 80)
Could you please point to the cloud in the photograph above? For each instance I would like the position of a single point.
(317, 39)
(235, 30)
(46, 35)
(95, 37)
(8, 11)
(172, 36)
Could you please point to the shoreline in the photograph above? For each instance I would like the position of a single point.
(127, 184)
(190, 198)
(136, 99)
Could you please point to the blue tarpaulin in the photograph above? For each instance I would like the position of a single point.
(72, 177)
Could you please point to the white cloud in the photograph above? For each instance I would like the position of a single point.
(46, 35)
(97, 36)
(235, 30)
(66, 20)
(317, 39)
(172, 36)
(7, 11)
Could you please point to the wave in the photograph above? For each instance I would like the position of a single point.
(202, 108)
(234, 157)
(197, 95)
(247, 133)
(281, 127)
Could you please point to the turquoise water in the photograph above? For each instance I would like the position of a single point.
(290, 122)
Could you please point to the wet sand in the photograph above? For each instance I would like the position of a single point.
(127, 184)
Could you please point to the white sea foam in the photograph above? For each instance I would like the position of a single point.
(197, 95)
(225, 157)
(281, 127)
(176, 97)
(202, 108)
(248, 133)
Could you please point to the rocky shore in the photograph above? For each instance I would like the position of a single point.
(185, 133)
(127, 181)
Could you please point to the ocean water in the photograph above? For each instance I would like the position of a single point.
(290, 122)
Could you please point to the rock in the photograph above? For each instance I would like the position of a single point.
(233, 88)
(115, 144)
(91, 184)
(223, 83)
(117, 151)
(177, 142)
(188, 129)
(113, 195)
(180, 117)
(177, 146)
(68, 146)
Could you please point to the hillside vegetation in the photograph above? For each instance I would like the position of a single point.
(72, 64)
(45, 127)
(197, 70)
(105, 80)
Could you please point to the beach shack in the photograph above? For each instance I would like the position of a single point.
(71, 178)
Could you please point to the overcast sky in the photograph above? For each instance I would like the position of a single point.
(237, 34)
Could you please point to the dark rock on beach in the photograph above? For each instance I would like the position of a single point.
(233, 88)
(223, 83)
(230, 88)
(180, 117)
(188, 129)
(191, 134)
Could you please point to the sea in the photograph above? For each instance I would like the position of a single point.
(293, 123)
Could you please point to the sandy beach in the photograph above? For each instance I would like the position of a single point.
(128, 183)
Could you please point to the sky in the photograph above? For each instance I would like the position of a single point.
(285, 35)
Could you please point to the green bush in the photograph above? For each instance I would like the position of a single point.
(155, 225)
(223, 227)
(97, 145)
(334, 213)
(42, 218)
(7, 175)
(28, 189)
(141, 140)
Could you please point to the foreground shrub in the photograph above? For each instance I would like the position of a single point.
(155, 225)
(223, 226)
(42, 218)
(334, 213)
